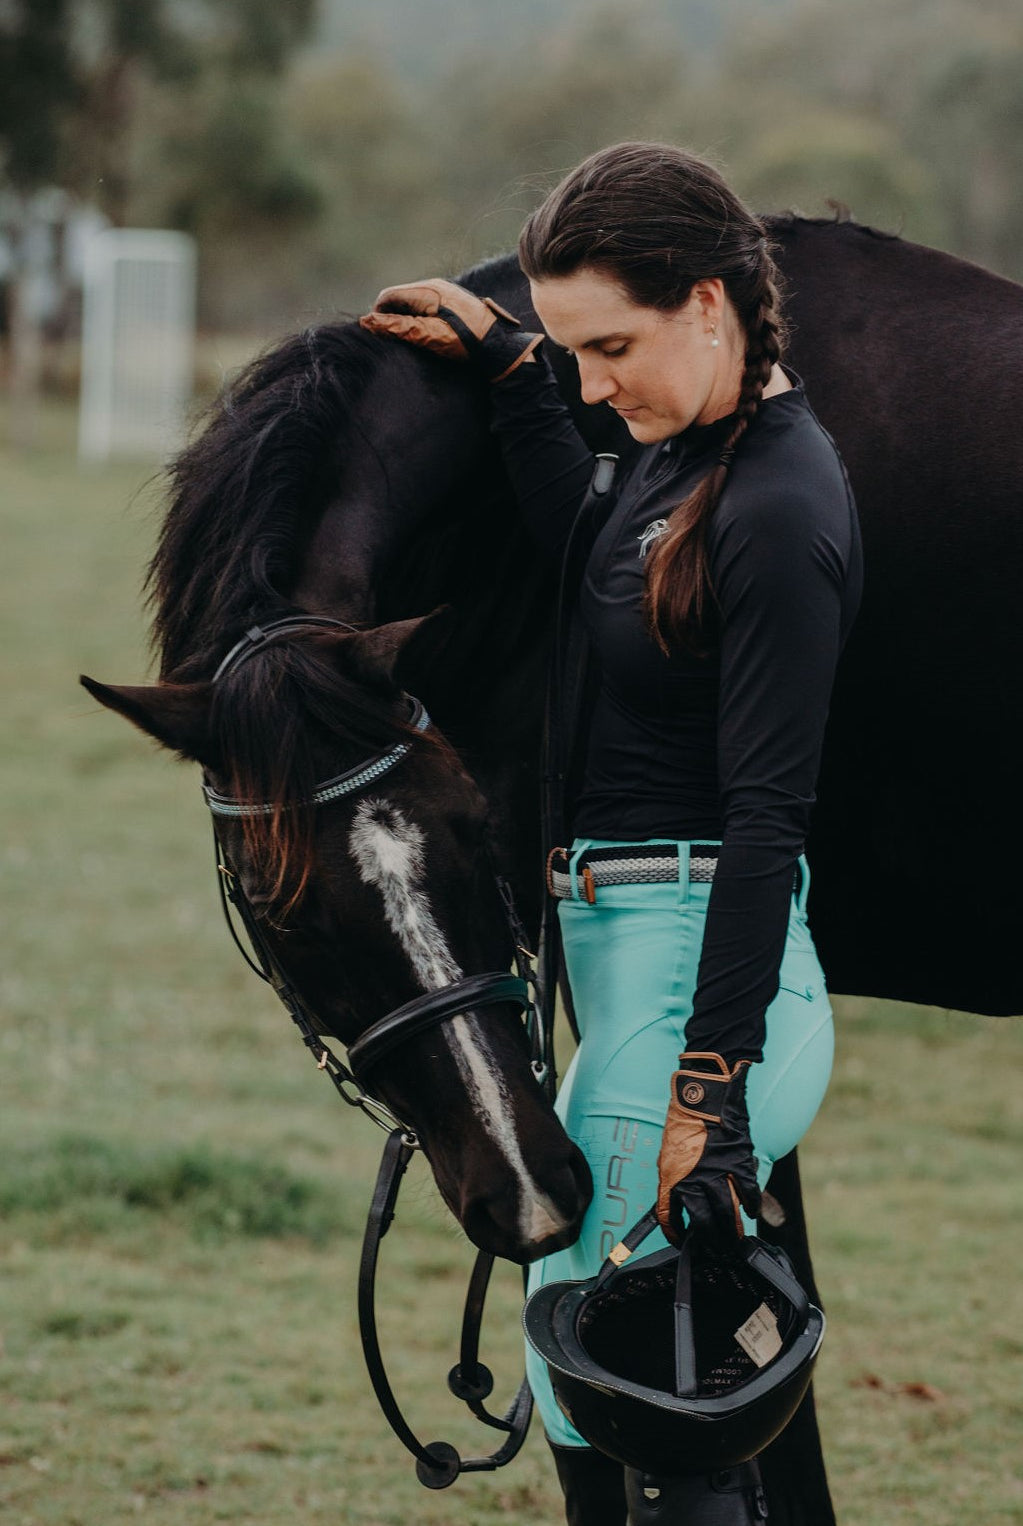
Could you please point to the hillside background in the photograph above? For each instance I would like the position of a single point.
(318, 151)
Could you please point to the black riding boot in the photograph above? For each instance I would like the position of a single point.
(733, 1497)
(593, 1486)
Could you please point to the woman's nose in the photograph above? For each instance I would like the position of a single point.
(596, 384)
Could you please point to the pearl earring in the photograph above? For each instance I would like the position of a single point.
(714, 331)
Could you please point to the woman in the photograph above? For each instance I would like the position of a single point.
(719, 580)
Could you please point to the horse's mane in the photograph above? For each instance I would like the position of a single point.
(245, 494)
(841, 217)
(246, 491)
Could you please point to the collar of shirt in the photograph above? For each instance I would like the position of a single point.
(701, 439)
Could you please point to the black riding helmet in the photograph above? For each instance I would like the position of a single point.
(684, 1361)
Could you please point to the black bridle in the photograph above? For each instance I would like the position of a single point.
(438, 1463)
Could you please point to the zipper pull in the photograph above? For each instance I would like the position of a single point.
(603, 473)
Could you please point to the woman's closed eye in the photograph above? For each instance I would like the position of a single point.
(607, 354)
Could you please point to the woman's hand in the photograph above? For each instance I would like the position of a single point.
(442, 317)
(706, 1167)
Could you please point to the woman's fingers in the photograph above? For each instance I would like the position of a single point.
(413, 297)
(403, 325)
(443, 317)
(425, 332)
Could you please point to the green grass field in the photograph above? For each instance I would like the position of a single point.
(181, 1196)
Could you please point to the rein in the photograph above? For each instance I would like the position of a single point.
(438, 1463)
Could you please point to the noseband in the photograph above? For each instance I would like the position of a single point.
(437, 1463)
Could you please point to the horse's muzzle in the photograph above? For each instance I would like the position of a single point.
(521, 1221)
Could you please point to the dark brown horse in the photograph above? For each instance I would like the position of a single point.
(357, 479)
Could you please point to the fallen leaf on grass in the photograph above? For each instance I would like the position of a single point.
(925, 1391)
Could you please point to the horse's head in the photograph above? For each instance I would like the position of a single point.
(377, 894)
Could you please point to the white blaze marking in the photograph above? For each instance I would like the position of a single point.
(388, 850)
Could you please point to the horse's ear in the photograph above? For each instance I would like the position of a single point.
(396, 655)
(175, 714)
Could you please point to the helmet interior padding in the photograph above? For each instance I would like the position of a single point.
(629, 1328)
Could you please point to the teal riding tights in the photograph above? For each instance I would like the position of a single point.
(632, 961)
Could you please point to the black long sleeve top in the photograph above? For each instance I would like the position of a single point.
(721, 744)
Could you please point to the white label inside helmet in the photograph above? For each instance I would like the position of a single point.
(759, 1336)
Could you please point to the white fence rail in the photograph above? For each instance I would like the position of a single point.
(138, 342)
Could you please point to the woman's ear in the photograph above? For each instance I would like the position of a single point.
(709, 296)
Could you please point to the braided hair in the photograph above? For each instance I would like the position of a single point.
(657, 220)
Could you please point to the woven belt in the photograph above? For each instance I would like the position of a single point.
(645, 864)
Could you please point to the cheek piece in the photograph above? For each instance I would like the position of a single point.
(706, 1167)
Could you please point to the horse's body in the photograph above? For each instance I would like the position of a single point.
(356, 478)
(911, 359)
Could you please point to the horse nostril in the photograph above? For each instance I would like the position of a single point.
(491, 1221)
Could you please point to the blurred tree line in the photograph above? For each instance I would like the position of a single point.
(312, 176)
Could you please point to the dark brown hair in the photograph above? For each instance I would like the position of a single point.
(657, 220)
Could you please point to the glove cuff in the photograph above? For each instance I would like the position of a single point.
(704, 1086)
(501, 349)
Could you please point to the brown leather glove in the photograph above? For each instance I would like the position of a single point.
(706, 1167)
(443, 317)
